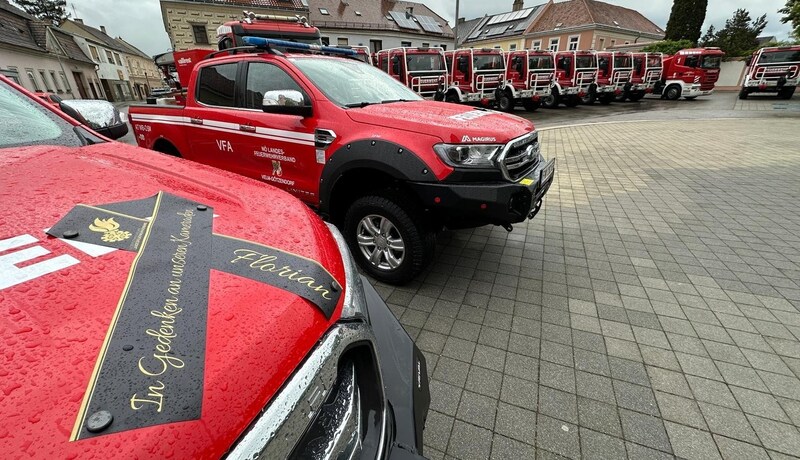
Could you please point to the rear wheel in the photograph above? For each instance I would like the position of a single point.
(589, 98)
(606, 99)
(572, 101)
(672, 92)
(636, 96)
(743, 94)
(786, 93)
(551, 101)
(389, 237)
(505, 103)
(452, 97)
(621, 96)
(531, 106)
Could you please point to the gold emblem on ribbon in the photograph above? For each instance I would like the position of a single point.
(110, 230)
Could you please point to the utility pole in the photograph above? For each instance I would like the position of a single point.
(455, 29)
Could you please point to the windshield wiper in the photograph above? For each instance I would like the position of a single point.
(359, 104)
(389, 101)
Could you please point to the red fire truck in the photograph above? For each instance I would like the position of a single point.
(363, 53)
(474, 74)
(529, 77)
(772, 70)
(576, 77)
(689, 73)
(647, 70)
(289, 28)
(614, 70)
(423, 70)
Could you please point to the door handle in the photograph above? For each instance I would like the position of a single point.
(196, 121)
(247, 128)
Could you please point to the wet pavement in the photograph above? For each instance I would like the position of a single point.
(651, 310)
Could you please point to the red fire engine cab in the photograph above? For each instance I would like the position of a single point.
(529, 76)
(363, 53)
(690, 73)
(576, 76)
(614, 70)
(423, 70)
(474, 74)
(772, 70)
(647, 70)
(289, 28)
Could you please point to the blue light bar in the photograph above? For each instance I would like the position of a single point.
(260, 42)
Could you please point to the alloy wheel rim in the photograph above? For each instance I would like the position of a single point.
(380, 242)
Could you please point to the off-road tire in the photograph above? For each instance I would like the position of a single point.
(531, 106)
(589, 98)
(505, 102)
(672, 92)
(743, 94)
(786, 93)
(419, 240)
(452, 97)
(621, 97)
(551, 101)
(606, 99)
(572, 101)
(636, 96)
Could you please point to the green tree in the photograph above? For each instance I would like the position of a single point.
(791, 13)
(52, 11)
(738, 37)
(668, 46)
(686, 20)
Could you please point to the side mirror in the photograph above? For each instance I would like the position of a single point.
(287, 102)
(99, 115)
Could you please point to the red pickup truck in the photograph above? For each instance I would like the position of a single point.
(152, 307)
(386, 166)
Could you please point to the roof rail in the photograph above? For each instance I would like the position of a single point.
(266, 43)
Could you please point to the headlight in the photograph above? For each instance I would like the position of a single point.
(471, 156)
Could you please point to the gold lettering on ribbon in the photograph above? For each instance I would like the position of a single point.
(266, 263)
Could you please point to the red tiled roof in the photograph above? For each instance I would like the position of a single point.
(282, 4)
(373, 15)
(578, 13)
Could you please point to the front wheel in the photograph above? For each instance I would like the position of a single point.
(673, 92)
(452, 98)
(505, 102)
(606, 99)
(551, 100)
(531, 106)
(786, 93)
(588, 98)
(389, 238)
(572, 101)
(743, 94)
(636, 96)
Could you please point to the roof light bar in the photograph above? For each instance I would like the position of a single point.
(265, 43)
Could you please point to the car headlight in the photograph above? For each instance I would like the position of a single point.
(467, 155)
(355, 301)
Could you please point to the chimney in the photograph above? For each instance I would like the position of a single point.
(79, 21)
(103, 29)
(409, 11)
(518, 5)
(462, 20)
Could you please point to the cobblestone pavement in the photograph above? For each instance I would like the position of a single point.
(650, 310)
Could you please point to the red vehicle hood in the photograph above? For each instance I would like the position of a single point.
(450, 122)
(53, 326)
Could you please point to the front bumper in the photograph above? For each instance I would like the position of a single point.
(461, 205)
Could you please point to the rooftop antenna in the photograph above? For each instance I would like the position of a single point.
(74, 13)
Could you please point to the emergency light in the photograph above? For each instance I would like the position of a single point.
(265, 43)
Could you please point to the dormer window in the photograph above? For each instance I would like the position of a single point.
(324, 12)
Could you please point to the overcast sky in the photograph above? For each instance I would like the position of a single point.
(139, 21)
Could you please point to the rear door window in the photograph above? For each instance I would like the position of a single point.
(217, 85)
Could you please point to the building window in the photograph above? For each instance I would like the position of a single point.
(443, 46)
(95, 53)
(573, 42)
(117, 59)
(554, 42)
(405, 44)
(110, 57)
(324, 12)
(200, 34)
(613, 43)
(602, 44)
(342, 41)
(326, 41)
(375, 45)
(537, 45)
(512, 47)
(426, 45)
(32, 78)
(44, 79)
(56, 83)
(65, 81)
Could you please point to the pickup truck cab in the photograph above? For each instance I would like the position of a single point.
(376, 159)
(152, 307)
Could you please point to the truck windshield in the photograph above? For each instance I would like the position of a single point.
(25, 122)
(711, 62)
(351, 83)
(775, 57)
(654, 61)
(424, 62)
(585, 62)
(622, 62)
(540, 62)
(488, 62)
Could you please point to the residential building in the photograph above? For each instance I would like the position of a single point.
(589, 24)
(41, 57)
(107, 54)
(379, 25)
(505, 30)
(193, 23)
(143, 72)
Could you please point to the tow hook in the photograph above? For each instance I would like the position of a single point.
(509, 228)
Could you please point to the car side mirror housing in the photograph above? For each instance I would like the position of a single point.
(287, 102)
(99, 115)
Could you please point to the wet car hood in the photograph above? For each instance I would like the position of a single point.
(53, 325)
(453, 123)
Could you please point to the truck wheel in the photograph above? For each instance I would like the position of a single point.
(389, 238)
(606, 99)
(786, 93)
(589, 98)
(531, 106)
(743, 94)
(505, 103)
(452, 98)
(622, 96)
(167, 148)
(673, 92)
(636, 96)
(572, 101)
(551, 101)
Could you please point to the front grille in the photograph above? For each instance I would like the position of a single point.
(521, 157)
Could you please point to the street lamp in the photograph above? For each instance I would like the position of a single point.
(455, 29)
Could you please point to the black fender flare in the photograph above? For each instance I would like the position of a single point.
(381, 155)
